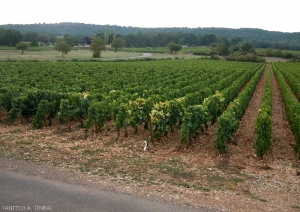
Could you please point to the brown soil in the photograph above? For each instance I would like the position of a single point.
(237, 181)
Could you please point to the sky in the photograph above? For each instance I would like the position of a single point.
(262, 14)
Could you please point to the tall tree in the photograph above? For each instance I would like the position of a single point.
(97, 46)
(115, 34)
(106, 35)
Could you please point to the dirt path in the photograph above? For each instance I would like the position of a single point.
(283, 138)
(242, 153)
(275, 175)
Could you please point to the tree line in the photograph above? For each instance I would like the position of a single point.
(260, 38)
(11, 37)
(158, 38)
(233, 49)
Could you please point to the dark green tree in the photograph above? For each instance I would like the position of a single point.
(43, 38)
(173, 47)
(97, 46)
(236, 40)
(79, 40)
(278, 53)
(224, 40)
(269, 52)
(62, 47)
(118, 43)
(69, 39)
(52, 38)
(29, 36)
(106, 35)
(22, 46)
(12, 37)
(34, 43)
(222, 49)
(247, 48)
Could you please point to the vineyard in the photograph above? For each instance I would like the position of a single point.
(187, 94)
(180, 105)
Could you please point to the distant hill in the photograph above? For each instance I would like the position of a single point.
(92, 29)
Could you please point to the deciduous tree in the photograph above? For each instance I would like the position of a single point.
(247, 47)
(173, 47)
(118, 43)
(62, 47)
(97, 46)
(106, 35)
(69, 39)
(222, 49)
(34, 43)
(22, 46)
(12, 37)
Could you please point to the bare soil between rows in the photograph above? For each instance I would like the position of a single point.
(237, 181)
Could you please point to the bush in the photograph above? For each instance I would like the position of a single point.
(201, 53)
(96, 55)
(249, 57)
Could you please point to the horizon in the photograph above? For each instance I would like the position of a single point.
(146, 27)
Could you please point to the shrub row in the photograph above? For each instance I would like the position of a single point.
(228, 122)
(263, 125)
(195, 116)
(292, 107)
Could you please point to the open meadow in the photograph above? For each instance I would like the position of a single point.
(52, 55)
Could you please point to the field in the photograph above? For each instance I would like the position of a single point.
(198, 117)
(262, 50)
(78, 54)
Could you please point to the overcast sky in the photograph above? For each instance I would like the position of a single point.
(270, 15)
